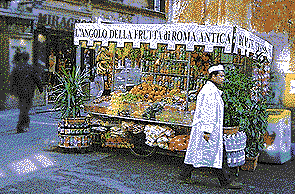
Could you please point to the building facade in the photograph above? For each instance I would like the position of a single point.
(257, 17)
(16, 32)
(45, 29)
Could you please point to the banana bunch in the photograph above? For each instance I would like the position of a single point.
(101, 67)
(103, 61)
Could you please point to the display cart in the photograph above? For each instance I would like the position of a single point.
(139, 148)
(218, 44)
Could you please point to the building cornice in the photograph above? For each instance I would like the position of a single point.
(66, 7)
(66, 11)
(127, 9)
(8, 13)
(72, 3)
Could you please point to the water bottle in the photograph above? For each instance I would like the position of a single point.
(244, 139)
(228, 142)
(238, 141)
(232, 158)
(242, 157)
(240, 154)
(234, 141)
(224, 142)
(229, 158)
(235, 158)
(239, 158)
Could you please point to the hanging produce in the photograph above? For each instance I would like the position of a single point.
(158, 136)
(179, 143)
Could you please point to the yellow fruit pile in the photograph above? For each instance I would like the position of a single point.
(149, 92)
(116, 104)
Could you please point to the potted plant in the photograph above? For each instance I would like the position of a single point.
(234, 95)
(73, 130)
(254, 123)
(246, 107)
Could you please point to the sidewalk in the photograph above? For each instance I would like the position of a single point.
(25, 147)
(109, 172)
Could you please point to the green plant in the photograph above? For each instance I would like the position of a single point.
(70, 93)
(254, 120)
(254, 124)
(246, 108)
(235, 93)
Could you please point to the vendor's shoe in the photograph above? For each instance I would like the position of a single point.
(233, 185)
(26, 126)
(20, 129)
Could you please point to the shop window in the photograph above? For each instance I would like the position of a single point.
(19, 26)
(4, 4)
(119, 1)
(75, 1)
(159, 5)
(156, 5)
(24, 45)
(54, 50)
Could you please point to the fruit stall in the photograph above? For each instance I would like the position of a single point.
(153, 74)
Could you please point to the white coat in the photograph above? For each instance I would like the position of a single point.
(208, 117)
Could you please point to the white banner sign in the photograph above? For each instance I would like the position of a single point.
(189, 34)
(250, 43)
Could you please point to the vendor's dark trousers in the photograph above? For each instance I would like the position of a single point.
(225, 175)
(25, 105)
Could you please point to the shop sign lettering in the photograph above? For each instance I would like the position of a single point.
(203, 37)
(248, 42)
(60, 23)
(171, 34)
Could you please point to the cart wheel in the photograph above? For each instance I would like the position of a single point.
(237, 171)
(140, 148)
(143, 152)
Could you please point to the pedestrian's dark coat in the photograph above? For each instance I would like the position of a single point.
(24, 79)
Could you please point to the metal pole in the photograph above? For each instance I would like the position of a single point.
(46, 94)
(188, 79)
(114, 66)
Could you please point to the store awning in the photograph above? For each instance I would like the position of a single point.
(229, 37)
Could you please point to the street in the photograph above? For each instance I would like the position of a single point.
(30, 163)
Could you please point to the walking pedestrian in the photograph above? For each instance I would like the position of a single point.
(24, 79)
(205, 148)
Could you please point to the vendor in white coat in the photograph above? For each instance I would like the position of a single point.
(205, 148)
